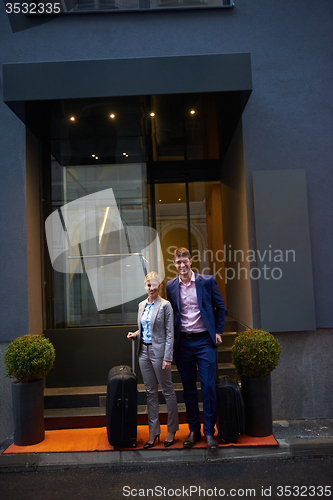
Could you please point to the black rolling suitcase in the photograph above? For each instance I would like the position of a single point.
(230, 411)
(121, 407)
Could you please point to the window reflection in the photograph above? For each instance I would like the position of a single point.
(74, 299)
(109, 5)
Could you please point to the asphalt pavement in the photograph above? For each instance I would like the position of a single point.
(276, 479)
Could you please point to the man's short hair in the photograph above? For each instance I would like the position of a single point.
(181, 252)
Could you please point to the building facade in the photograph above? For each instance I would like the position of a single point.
(212, 126)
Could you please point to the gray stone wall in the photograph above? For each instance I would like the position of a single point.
(6, 413)
(302, 382)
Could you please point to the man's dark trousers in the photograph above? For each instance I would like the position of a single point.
(198, 355)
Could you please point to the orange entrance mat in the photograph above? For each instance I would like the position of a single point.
(66, 440)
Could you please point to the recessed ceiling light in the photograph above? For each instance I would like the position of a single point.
(152, 114)
(112, 115)
(192, 112)
(72, 118)
(93, 156)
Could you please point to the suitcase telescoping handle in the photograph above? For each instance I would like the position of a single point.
(133, 356)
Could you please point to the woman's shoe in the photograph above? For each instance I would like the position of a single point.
(150, 445)
(169, 443)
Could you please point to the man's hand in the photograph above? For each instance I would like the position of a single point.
(166, 365)
(131, 335)
(218, 339)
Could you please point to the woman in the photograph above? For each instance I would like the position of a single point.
(155, 346)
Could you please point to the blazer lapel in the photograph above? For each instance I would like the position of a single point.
(176, 292)
(140, 313)
(198, 287)
(155, 310)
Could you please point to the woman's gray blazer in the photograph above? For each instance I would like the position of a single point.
(161, 328)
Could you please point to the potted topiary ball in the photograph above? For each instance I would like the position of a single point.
(255, 353)
(28, 359)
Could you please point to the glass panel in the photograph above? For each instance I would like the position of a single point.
(103, 131)
(184, 127)
(95, 5)
(99, 202)
(205, 216)
(201, 127)
(168, 127)
(206, 230)
(109, 5)
(171, 221)
(83, 297)
(154, 4)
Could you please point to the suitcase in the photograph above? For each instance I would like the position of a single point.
(230, 411)
(121, 407)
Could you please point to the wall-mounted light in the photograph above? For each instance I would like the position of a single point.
(192, 112)
(112, 115)
(72, 118)
(152, 114)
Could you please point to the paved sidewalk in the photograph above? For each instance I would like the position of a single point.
(296, 438)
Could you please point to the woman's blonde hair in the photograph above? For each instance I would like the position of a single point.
(153, 276)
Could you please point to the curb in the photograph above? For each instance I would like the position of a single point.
(311, 447)
(287, 449)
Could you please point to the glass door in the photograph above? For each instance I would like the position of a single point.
(107, 207)
(189, 214)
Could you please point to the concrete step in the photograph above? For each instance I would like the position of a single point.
(72, 407)
(228, 338)
(80, 397)
(64, 410)
(81, 418)
(232, 325)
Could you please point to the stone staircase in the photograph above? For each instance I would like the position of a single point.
(83, 407)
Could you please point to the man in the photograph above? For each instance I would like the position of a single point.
(199, 319)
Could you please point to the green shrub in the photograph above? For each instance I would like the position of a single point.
(255, 353)
(29, 358)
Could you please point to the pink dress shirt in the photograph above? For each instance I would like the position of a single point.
(190, 313)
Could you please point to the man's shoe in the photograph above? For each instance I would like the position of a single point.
(212, 443)
(191, 439)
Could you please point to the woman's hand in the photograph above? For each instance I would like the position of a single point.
(132, 335)
(166, 365)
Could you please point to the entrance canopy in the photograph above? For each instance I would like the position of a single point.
(40, 81)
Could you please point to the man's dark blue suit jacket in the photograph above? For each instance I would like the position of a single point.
(210, 303)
